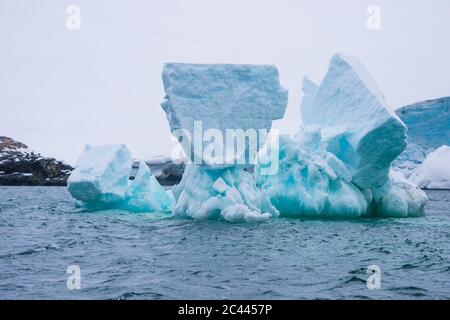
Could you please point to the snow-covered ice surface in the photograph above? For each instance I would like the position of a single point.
(101, 180)
(434, 172)
(428, 125)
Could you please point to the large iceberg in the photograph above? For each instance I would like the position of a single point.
(339, 164)
(428, 125)
(434, 172)
(101, 180)
(203, 101)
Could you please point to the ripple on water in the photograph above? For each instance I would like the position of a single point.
(158, 256)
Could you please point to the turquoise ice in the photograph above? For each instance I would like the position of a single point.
(229, 194)
(101, 180)
(101, 174)
(311, 181)
(144, 193)
(339, 165)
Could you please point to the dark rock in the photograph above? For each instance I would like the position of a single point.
(167, 172)
(21, 167)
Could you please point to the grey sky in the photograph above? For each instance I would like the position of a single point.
(60, 89)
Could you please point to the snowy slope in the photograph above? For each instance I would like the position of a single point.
(434, 172)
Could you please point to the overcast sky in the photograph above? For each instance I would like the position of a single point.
(61, 88)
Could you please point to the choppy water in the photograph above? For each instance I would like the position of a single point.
(152, 256)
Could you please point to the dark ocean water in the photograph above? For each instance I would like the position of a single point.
(155, 256)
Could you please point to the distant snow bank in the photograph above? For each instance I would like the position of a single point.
(434, 172)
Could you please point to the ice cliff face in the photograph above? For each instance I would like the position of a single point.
(428, 125)
(339, 164)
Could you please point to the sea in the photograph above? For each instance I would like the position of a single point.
(52, 249)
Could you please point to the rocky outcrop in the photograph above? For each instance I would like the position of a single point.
(20, 166)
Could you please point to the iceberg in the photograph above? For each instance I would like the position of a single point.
(339, 164)
(221, 98)
(428, 125)
(100, 180)
(101, 174)
(434, 172)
